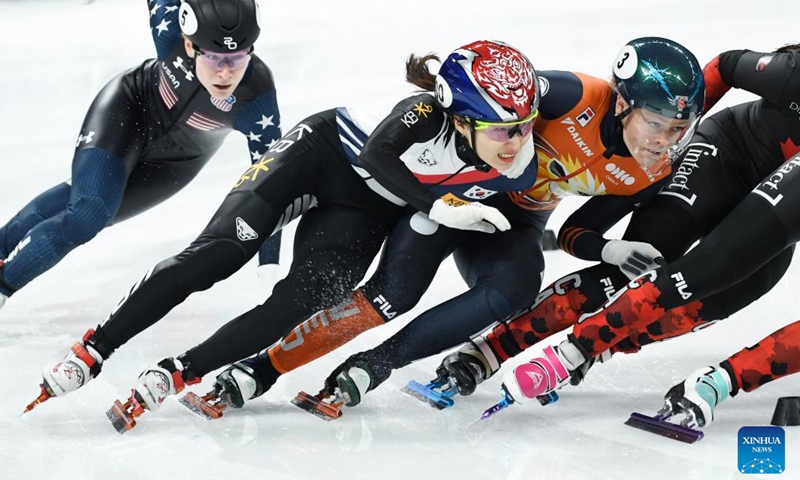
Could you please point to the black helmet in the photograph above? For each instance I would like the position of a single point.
(661, 76)
(220, 25)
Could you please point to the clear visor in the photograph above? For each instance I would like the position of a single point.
(218, 61)
(662, 139)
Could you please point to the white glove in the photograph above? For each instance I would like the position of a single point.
(470, 216)
(521, 161)
(633, 258)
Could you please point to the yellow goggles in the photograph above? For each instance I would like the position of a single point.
(502, 131)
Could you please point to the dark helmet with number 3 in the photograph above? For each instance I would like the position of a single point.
(660, 75)
(221, 26)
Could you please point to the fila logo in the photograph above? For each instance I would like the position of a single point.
(179, 64)
(620, 174)
(87, 139)
(585, 117)
(385, 306)
(608, 287)
(681, 285)
(228, 41)
(477, 193)
(244, 231)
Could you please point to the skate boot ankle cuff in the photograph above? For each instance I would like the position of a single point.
(90, 357)
(573, 352)
(502, 342)
(487, 356)
(175, 368)
(187, 372)
(94, 337)
(259, 390)
(732, 378)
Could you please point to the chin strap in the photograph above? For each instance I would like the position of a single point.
(467, 153)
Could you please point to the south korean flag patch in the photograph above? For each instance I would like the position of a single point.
(478, 193)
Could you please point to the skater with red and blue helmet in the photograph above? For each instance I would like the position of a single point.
(659, 88)
(581, 157)
(360, 172)
(150, 131)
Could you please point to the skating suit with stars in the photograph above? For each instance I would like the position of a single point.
(147, 134)
(185, 113)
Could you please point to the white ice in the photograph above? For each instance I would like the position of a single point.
(57, 55)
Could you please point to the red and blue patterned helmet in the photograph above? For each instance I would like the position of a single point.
(488, 81)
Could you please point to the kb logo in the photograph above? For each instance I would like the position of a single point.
(228, 41)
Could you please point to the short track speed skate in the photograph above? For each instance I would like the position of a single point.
(660, 425)
(45, 395)
(209, 406)
(438, 393)
(324, 405)
(123, 415)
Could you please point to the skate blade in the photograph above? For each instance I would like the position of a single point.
(120, 418)
(317, 406)
(202, 406)
(545, 400)
(427, 394)
(664, 428)
(44, 396)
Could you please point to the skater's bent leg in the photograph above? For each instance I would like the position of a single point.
(324, 272)
(503, 280)
(215, 255)
(773, 357)
(407, 266)
(719, 306)
(99, 179)
(44, 206)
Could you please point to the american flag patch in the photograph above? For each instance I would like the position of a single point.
(167, 93)
(224, 104)
(202, 122)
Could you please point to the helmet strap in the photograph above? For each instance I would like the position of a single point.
(466, 152)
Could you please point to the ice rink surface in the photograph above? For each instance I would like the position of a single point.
(59, 54)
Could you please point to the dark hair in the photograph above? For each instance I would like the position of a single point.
(789, 47)
(418, 73)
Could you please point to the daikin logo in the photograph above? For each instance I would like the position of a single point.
(762, 450)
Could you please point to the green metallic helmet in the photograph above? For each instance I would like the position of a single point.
(661, 76)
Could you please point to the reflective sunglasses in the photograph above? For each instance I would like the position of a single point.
(217, 61)
(502, 132)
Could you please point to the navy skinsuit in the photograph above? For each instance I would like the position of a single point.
(149, 131)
